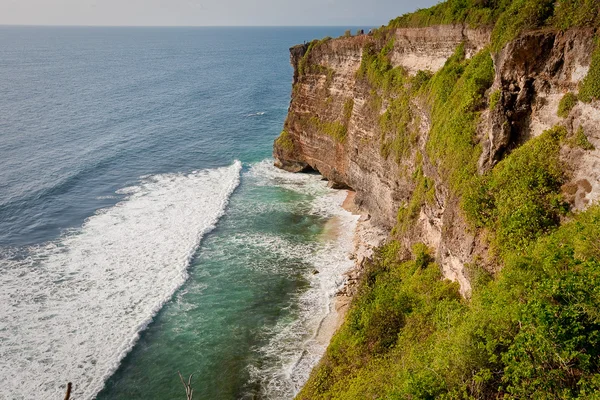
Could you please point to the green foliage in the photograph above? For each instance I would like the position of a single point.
(456, 94)
(556, 353)
(508, 17)
(304, 61)
(377, 69)
(495, 98)
(424, 192)
(532, 333)
(589, 88)
(472, 12)
(334, 129)
(393, 84)
(579, 139)
(396, 300)
(419, 80)
(478, 277)
(348, 108)
(520, 198)
(520, 16)
(394, 123)
(284, 141)
(566, 104)
(573, 13)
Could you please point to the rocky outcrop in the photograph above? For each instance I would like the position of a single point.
(532, 75)
(332, 125)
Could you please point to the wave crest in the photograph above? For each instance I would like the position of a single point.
(74, 308)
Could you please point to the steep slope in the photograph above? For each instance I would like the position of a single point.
(477, 146)
(346, 124)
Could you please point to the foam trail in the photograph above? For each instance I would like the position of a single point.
(73, 309)
(295, 346)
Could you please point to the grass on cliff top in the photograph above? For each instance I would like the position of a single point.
(507, 17)
(534, 332)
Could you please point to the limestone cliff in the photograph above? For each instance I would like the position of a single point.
(336, 125)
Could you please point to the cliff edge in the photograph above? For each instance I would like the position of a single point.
(347, 126)
(470, 131)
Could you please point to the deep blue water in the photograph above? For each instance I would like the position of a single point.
(108, 136)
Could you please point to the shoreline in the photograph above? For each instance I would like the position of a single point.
(366, 238)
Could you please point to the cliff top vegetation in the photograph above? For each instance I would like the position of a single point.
(507, 18)
(531, 329)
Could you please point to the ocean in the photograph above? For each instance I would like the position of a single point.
(143, 229)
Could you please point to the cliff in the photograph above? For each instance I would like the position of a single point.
(336, 125)
(471, 132)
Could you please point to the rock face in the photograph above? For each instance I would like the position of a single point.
(332, 125)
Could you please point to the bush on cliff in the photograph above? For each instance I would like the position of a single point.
(507, 17)
(456, 95)
(520, 198)
(534, 332)
(566, 104)
(589, 89)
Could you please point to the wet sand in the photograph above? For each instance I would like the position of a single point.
(366, 238)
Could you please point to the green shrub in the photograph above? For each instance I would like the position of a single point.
(589, 88)
(534, 332)
(508, 17)
(304, 61)
(566, 104)
(579, 139)
(573, 13)
(424, 192)
(456, 94)
(472, 12)
(419, 80)
(520, 16)
(519, 200)
(377, 69)
(495, 98)
(336, 130)
(284, 141)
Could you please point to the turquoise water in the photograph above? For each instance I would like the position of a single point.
(143, 229)
(243, 290)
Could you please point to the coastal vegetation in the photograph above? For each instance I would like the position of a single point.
(566, 104)
(530, 327)
(590, 87)
(533, 332)
(580, 140)
(285, 141)
(507, 18)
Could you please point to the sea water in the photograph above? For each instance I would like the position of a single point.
(143, 229)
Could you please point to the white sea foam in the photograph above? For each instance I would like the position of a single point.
(266, 174)
(73, 309)
(294, 348)
(256, 114)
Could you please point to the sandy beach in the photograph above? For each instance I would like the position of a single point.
(366, 238)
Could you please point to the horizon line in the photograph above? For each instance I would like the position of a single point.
(184, 26)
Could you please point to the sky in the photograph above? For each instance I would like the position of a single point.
(205, 12)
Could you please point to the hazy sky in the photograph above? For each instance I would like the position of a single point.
(204, 12)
